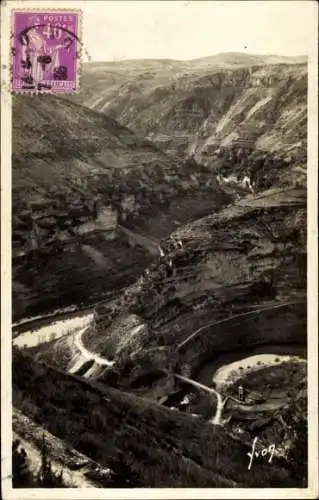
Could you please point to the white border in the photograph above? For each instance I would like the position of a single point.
(148, 493)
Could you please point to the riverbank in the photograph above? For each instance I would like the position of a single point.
(48, 331)
(206, 373)
(231, 373)
(36, 322)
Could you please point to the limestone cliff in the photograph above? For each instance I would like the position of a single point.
(239, 115)
(77, 176)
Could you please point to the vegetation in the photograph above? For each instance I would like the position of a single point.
(158, 446)
(22, 475)
(247, 253)
(46, 478)
(297, 414)
(286, 426)
(283, 377)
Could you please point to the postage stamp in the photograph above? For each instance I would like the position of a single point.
(45, 51)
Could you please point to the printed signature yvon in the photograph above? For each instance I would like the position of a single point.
(263, 452)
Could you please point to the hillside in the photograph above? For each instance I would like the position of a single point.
(246, 257)
(214, 127)
(77, 177)
(241, 115)
(167, 204)
(154, 446)
(101, 78)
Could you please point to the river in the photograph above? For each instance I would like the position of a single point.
(214, 371)
(218, 369)
(45, 330)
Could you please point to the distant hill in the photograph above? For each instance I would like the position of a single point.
(239, 114)
(224, 58)
(242, 58)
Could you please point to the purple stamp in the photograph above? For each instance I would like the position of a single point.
(45, 51)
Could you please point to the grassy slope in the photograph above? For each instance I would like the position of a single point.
(157, 446)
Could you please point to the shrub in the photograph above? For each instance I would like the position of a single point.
(22, 477)
(46, 478)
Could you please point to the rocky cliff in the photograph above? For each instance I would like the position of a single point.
(252, 254)
(240, 115)
(245, 130)
(237, 279)
(236, 123)
(77, 177)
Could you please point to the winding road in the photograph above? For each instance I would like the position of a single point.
(221, 402)
(86, 355)
(235, 317)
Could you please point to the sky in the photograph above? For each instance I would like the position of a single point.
(117, 30)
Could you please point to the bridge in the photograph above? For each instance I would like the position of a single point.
(221, 399)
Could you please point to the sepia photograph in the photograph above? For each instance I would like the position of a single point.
(159, 249)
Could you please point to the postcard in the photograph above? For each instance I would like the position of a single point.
(159, 265)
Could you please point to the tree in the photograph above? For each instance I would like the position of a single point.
(122, 474)
(22, 477)
(46, 478)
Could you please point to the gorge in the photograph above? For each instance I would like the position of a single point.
(159, 233)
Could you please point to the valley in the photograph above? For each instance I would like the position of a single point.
(159, 265)
(78, 209)
(240, 115)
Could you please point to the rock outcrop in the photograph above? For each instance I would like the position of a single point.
(239, 129)
(237, 281)
(235, 114)
(77, 176)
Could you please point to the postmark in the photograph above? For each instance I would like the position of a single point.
(46, 51)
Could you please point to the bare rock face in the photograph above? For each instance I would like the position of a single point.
(238, 117)
(238, 136)
(77, 177)
(238, 280)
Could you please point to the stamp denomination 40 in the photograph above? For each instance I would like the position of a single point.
(45, 51)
